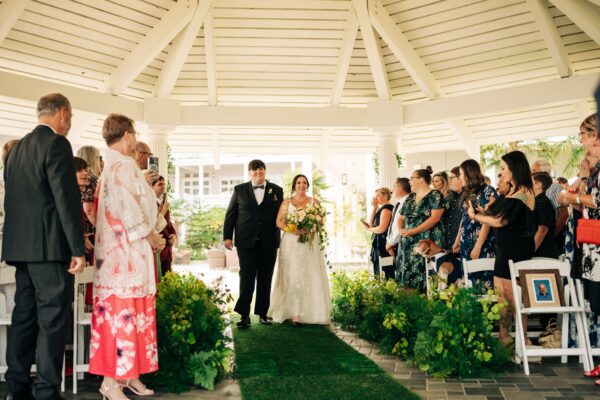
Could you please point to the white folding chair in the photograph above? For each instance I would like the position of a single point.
(429, 267)
(7, 276)
(80, 320)
(385, 262)
(574, 308)
(478, 265)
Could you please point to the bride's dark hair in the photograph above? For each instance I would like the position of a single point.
(296, 179)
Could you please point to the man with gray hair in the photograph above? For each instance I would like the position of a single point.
(142, 155)
(561, 211)
(43, 239)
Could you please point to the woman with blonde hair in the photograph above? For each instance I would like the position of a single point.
(379, 221)
(123, 342)
(441, 182)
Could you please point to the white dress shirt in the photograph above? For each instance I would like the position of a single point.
(259, 193)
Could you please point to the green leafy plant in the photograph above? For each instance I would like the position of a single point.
(192, 345)
(449, 334)
(459, 340)
(205, 230)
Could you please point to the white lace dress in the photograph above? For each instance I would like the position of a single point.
(301, 285)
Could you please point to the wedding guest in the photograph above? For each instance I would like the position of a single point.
(168, 232)
(420, 217)
(301, 291)
(514, 226)
(441, 183)
(91, 155)
(123, 333)
(43, 239)
(561, 211)
(401, 192)
(379, 221)
(563, 182)
(251, 215)
(545, 218)
(503, 187)
(487, 180)
(454, 209)
(142, 156)
(81, 172)
(7, 289)
(476, 240)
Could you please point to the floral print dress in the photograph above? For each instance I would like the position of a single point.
(123, 342)
(410, 265)
(470, 232)
(591, 252)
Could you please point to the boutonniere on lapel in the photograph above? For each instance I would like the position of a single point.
(270, 192)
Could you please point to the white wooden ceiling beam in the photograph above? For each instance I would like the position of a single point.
(547, 27)
(211, 59)
(179, 51)
(465, 136)
(150, 46)
(10, 11)
(373, 50)
(402, 49)
(583, 14)
(343, 65)
(554, 91)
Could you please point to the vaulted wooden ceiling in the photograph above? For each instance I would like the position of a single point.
(286, 54)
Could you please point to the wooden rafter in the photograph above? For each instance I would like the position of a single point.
(10, 10)
(344, 59)
(153, 43)
(404, 52)
(545, 23)
(373, 50)
(211, 60)
(180, 50)
(583, 14)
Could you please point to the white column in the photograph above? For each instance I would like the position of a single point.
(201, 182)
(387, 142)
(157, 138)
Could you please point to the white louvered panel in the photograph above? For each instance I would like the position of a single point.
(151, 7)
(86, 67)
(46, 74)
(488, 53)
(416, 8)
(98, 14)
(68, 39)
(90, 20)
(440, 137)
(273, 42)
(274, 100)
(278, 33)
(285, 4)
(319, 21)
(285, 60)
(192, 75)
(67, 29)
(262, 67)
(53, 45)
(486, 121)
(508, 80)
(536, 124)
(271, 84)
(90, 77)
(277, 51)
(129, 13)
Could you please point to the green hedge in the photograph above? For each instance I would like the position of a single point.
(191, 340)
(447, 335)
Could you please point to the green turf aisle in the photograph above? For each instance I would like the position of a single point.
(308, 362)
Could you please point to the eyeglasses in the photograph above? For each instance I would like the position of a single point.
(414, 177)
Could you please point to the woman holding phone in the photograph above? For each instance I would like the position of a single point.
(514, 224)
(381, 217)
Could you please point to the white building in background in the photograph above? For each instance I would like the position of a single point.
(201, 182)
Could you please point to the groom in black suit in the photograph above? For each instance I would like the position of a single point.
(251, 216)
(43, 239)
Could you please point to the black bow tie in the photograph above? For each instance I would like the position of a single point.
(258, 187)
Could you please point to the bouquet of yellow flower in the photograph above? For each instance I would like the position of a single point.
(307, 223)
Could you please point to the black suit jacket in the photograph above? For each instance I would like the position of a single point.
(252, 222)
(42, 204)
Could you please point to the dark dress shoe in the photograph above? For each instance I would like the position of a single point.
(265, 320)
(244, 323)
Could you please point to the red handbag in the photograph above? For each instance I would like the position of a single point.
(588, 231)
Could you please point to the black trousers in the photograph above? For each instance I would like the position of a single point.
(39, 327)
(256, 265)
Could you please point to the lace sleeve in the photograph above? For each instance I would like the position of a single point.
(134, 198)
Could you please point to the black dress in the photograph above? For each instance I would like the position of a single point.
(378, 245)
(514, 240)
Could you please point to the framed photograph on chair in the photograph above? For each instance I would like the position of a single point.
(541, 288)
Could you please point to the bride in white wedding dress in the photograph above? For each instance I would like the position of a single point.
(301, 291)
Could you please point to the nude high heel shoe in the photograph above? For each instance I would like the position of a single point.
(142, 393)
(105, 391)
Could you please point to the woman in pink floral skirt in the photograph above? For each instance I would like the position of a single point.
(123, 341)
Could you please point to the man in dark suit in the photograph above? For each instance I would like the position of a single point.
(251, 215)
(43, 238)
